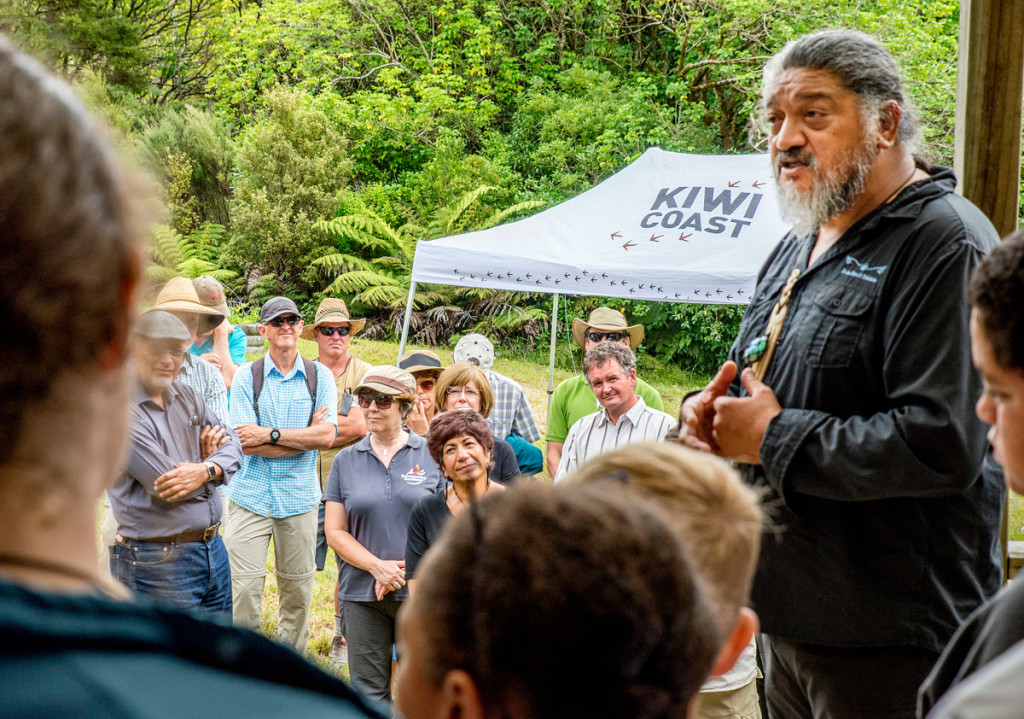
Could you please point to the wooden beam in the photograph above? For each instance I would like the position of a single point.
(988, 107)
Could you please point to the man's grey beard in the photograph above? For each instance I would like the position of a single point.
(831, 194)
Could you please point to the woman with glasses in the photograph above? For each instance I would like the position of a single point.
(370, 493)
(425, 366)
(462, 387)
(461, 444)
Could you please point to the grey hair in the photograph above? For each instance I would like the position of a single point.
(605, 351)
(862, 65)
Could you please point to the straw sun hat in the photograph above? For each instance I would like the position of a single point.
(331, 310)
(179, 295)
(605, 319)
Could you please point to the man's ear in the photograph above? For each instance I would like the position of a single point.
(262, 329)
(746, 627)
(459, 697)
(888, 124)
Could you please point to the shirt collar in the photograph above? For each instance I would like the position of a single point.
(415, 442)
(269, 366)
(633, 414)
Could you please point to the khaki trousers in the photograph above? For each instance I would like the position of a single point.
(294, 544)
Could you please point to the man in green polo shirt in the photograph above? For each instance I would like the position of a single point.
(573, 398)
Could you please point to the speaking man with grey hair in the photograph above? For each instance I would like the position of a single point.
(624, 417)
(854, 406)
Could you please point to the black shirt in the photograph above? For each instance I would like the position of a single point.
(428, 517)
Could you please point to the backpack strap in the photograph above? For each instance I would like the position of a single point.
(257, 385)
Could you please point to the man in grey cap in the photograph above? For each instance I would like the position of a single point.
(284, 408)
(166, 503)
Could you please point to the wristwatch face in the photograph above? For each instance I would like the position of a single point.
(211, 470)
(274, 436)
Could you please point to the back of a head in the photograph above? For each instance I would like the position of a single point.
(67, 258)
(862, 65)
(996, 291)
(720, 518)
(567, 603)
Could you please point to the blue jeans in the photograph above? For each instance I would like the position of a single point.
(183, 576)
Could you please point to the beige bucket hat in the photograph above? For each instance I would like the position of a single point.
(605, 319)
(179, 295)
(331, 310)
(389, 380)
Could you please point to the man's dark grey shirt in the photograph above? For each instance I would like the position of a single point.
(884, 529)
(160, 438)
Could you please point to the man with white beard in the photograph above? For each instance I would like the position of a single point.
(854, 407)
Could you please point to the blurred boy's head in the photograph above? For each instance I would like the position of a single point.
(996, 292)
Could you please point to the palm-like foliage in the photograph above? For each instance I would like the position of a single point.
(191, 256)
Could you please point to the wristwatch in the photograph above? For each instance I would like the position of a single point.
(211, 469)
(275, 434)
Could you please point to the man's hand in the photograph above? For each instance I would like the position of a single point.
(417, 419)
(209, 439)
(252, 435)
(697, 413)
(739, 423)
(178, 483)
(212, 358)
(319, 416)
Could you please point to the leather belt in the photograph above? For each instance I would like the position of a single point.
(200, 535)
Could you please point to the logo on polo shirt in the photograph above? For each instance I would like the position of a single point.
(861, 270)
(415, 476)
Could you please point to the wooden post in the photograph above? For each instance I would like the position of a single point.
(988, 107)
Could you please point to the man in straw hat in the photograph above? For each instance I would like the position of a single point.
(71, 262)
(574, 398)
(223, 346)
(179, 298)
(284, 408)
(332, 330)
(166, 502)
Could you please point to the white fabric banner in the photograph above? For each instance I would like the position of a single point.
(670, 227)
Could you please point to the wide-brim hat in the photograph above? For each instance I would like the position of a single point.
(389, 380)
(414, 361)
(331, 310)
(179, 295)
(605, 319)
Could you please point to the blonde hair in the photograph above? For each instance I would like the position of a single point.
(459, 375)
(719, 517)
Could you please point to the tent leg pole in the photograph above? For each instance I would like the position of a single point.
(551, 358)
(405, 322)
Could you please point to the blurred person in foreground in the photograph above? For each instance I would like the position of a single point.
(854, 411)
(461, 443)
(720, 521)
(369, 495)
(996, 292)
(69, 257)
(547, 602)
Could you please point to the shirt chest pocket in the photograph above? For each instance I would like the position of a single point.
(835, 327)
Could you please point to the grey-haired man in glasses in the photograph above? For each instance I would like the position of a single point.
(284, 408)
(166, 503)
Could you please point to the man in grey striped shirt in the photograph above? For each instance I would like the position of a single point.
(610, 369)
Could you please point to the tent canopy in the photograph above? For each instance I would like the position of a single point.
(670, 227)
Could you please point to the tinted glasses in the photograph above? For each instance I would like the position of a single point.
(329, 331)
(602, 336)
(382, 401)
(292, 320)
(426, 384)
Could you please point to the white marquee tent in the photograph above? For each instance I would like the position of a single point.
(668, 227)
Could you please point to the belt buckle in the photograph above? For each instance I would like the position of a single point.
(210, 532)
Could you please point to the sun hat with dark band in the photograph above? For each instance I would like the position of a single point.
(178, 295)
(331, 310)
(389, 380)
(417, 361)
(605, 319)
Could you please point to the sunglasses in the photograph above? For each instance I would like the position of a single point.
(382, 401)
(426, 384)
(329, 331)
(292, 320)
(602, 336)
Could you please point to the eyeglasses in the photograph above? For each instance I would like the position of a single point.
(602, 336)
(329, 331)
(292, 320)
(455, 391)
(426, 384)
(382, 401)
(174, 352)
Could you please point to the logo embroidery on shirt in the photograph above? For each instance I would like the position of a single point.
(862, 271)
(415, 476)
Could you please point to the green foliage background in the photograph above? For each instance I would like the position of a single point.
(327, 137)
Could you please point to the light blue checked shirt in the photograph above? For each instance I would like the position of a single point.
(512, 411)
(282, 486)
(207, 380)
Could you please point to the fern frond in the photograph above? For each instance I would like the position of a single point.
(500, 217)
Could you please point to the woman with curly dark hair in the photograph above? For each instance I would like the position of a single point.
(461, 444)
